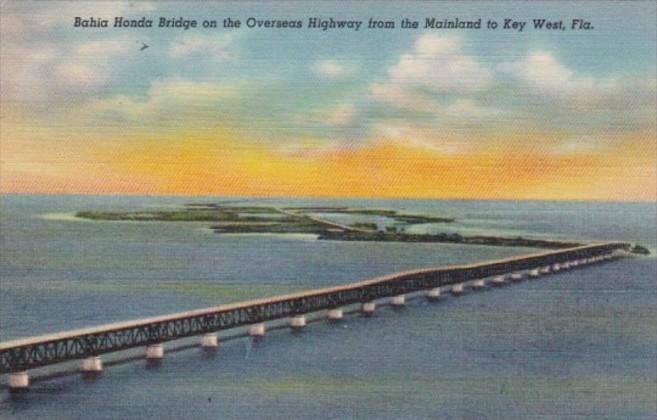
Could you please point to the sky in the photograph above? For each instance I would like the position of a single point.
(404, 113)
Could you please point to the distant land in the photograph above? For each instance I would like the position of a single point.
(261, 219)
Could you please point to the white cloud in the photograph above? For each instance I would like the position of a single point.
(581, 144)
(438, 63)
(37, 68)
(424, 137)
(216, 47)
(542, 71)
(171, 98)
(562, 91)
(437, 77)
(332, 68)
(469, 108)
(339, 115)
(78, 75)
(40, 72)
(23, 73)
(104, 48)
(402, 97)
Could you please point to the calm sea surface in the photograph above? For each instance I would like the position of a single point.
(582, 344)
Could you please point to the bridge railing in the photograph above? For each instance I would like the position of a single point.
(23, 354)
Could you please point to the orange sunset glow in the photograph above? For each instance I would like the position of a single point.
(205, 166)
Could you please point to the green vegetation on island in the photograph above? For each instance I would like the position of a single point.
(639, 250)
(191, 214)
(392, 214)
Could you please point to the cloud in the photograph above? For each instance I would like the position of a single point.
(402, 132)
(467, 109)
(216, 47)
(41, 64)
(436, 67)
(331, 68)
(438, 63)
(78, 75)
(541, 72)
(167, 101)
(438, 79)
(45, 71)
(402, 97)
(338, 115)
(103, 48)
(580, 145)
(577, 102)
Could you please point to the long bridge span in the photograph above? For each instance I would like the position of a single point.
(88, 344)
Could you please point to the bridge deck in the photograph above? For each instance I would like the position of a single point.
(54, 348)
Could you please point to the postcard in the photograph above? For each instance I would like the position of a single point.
(328, 209)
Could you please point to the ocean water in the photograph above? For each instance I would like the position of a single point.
(581, 344)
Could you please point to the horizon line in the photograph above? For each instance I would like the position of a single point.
(323, 197)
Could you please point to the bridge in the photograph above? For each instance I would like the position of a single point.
(329, 223)
(88, 344)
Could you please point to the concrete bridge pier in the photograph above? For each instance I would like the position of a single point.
(368, 308)
(516, 276)
(498, 281)
(478, 284)
(297, 322)
(18, 381)
(93, 364)
(398, 301)
(209, 341)
(457, 289)
(334, 315)
(155, 351)
(433, 294)
(257, 330)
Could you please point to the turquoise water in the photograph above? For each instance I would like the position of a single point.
(579, 345)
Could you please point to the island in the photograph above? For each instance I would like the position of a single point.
(379, 225)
